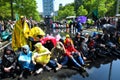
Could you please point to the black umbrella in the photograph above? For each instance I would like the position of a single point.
(109, 28)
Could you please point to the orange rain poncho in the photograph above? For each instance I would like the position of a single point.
(20, 35)
(44, 54)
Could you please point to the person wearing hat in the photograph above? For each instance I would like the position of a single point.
(20, 34)
(68, 37)
(74, 56)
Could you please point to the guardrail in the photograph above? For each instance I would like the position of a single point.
(1, 48)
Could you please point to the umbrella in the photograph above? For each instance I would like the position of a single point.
(109, 28)
(82, 19)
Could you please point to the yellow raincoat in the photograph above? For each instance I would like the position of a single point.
(36, 31)
(44, 54)
(20, 35)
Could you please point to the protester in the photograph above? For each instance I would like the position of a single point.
(58, 55)
(6, 35)
(8, 63)
(41, 56)
(79, 26)
(25, 61)
(77, 41)
(73, 55)
(20, 34)
(35, 34)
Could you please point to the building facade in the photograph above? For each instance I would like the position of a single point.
(48, 7)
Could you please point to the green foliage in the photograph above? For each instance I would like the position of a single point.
(68, 10)
(100, 8)
(104, 7)
(111, 7)
(27, 8)
(4, 10)
(82, 11)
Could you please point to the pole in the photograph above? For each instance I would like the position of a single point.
(110, 71)
(11, 3)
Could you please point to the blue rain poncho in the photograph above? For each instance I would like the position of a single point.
(25, 60)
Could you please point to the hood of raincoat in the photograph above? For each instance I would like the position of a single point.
(36, 31)
(40, 47)
(26, 47)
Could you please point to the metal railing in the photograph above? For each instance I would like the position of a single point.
(2, 48)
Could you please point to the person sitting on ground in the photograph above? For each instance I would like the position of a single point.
(36, 33)
(49, 45)
(74, 55)
(58, 55)
(25, 61)
(77, 41)
(101, 49)
(8, 65)
(40, 57)
(68, 37)
(88, 49)
(86, 37)
(6, 35)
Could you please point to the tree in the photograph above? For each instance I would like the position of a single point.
(91, 8)
(104, 7)
(27, 8)
(77, 4)
(65, 11)
(111, 7)
(4, 9)
(82, 11)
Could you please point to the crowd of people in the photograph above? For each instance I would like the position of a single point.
(33, 51)
(6, 28)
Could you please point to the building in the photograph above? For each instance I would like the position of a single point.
(60, 6)
(48, 7)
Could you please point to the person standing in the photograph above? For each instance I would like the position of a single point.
(20, 34)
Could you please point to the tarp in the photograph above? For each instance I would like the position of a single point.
(82, 19)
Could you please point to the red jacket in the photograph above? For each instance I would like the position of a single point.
(69, 50)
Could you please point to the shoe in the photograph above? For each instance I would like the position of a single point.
(59, 67)
(21, 76)
(86, 65)
(82, 69)
(47, 68)
(85, 74)
(39, 71)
